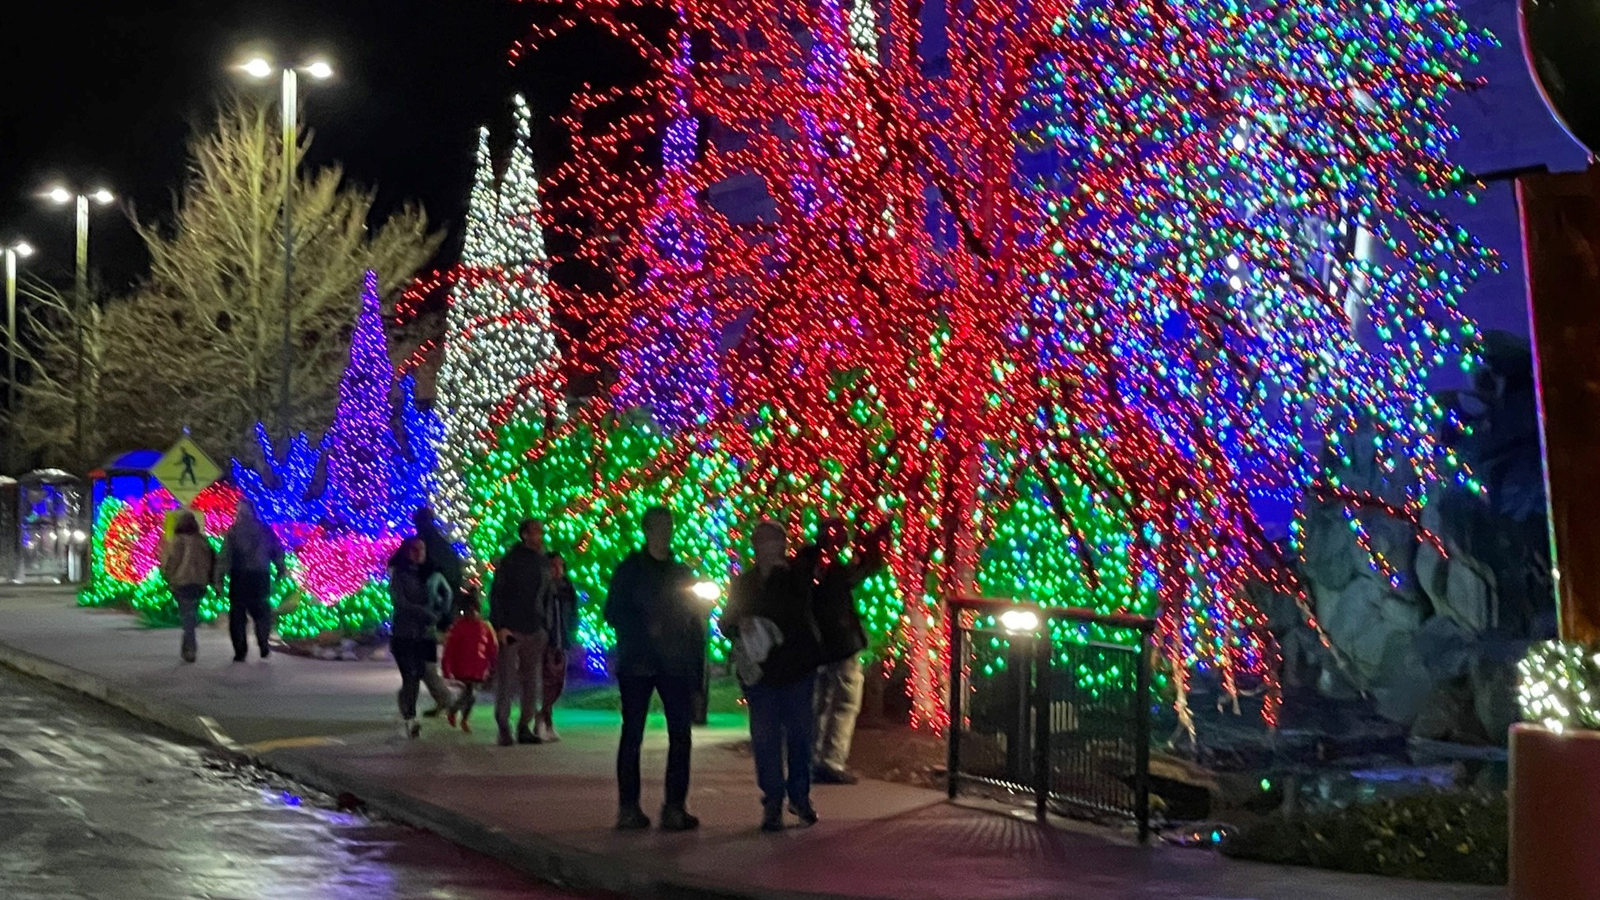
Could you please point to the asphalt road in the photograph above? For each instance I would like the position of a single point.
(95, 804)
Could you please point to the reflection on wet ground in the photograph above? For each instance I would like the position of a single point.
(94, 804)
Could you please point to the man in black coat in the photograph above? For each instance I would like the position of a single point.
(840, 679)
(660, 648)
(520, 611)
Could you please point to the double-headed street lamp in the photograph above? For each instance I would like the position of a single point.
(19, 250)
(261, 68)
(61, 196)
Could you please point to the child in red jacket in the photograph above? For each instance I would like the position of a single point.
(469, 654)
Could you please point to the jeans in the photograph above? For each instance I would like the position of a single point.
(188, 599)
(411, 657)
(677, 696)
(520, 665)
(466, 699)
(780, 720)
(247, 596)
(433, 680)
(555, 680)
(838, 703)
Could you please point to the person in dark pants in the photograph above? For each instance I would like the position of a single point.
(188, 563)
(661, 649)
(778, 648)
(840, 679)
(563, 638)
(519, 610)
(419, 601)
(444, 562)
(251, 557)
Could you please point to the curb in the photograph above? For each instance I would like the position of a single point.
(186, 722)
(532, 854)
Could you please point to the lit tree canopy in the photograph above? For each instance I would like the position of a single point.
(1060, 286)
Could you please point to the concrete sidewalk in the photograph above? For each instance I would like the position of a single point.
(548, 809)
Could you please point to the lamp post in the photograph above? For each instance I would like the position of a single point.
(19, 250)
(261, 68)
(61, 196)
(709, 593)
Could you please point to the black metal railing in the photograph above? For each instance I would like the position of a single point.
(1054, 702)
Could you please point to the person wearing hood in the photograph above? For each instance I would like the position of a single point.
(444, 562)
(420, 598)
(250, 560)
(188, 564)
(520, 611)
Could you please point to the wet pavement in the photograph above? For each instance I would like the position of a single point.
(95, 804)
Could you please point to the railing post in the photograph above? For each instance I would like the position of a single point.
(1041, 719)
(1141, 747)
(958, 652)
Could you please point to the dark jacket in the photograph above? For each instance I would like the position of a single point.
(783, 597)
(838, 618)
(249, 547)
(519, 599)
(660, 625)
(419, 598)
(564, 608)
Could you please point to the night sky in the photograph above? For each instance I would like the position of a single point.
(105, 93)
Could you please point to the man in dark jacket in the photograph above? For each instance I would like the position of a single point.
(774, 595)
(519, 610)
(840, 680)
(660, 648)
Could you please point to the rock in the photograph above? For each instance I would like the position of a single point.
(1449, 715)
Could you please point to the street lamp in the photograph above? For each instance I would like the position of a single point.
(61, 195)
(19, 250)
(261, 68)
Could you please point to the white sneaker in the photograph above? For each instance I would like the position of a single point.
(410, 728)
(548, 733)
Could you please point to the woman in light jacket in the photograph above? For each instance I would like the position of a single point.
(187, 562)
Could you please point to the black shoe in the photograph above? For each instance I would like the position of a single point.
(266, 652)
(632, 818)
(188, 654)
(432, 713)
(807, 814)
(525, 736)
(772, 819)
(676, 818)
(505, 737)
(238, 657)
(829, 775)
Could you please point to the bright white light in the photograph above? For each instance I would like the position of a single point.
(1019, 621)
(257, 68)
(320, 70)
(1240, 141)
(79, 537)
(1233, 260)
(706, 590)
(1236, 283)
(23, 249)
(59, 194)
(102, 196)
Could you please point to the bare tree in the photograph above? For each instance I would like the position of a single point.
(198, 344)
(47, 351)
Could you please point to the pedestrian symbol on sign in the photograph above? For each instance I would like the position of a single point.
(185, 471)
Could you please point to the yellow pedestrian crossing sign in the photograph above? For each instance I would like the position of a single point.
(185, 470)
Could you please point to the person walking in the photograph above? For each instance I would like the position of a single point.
(840, 679)
(563, 638)
(188, 563)
(778, 648)
(251, 558)
(469, 654)
(660, 649)
(419, 600)
(519, 610)
(446, 563)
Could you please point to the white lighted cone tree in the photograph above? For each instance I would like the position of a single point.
(499, 351)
